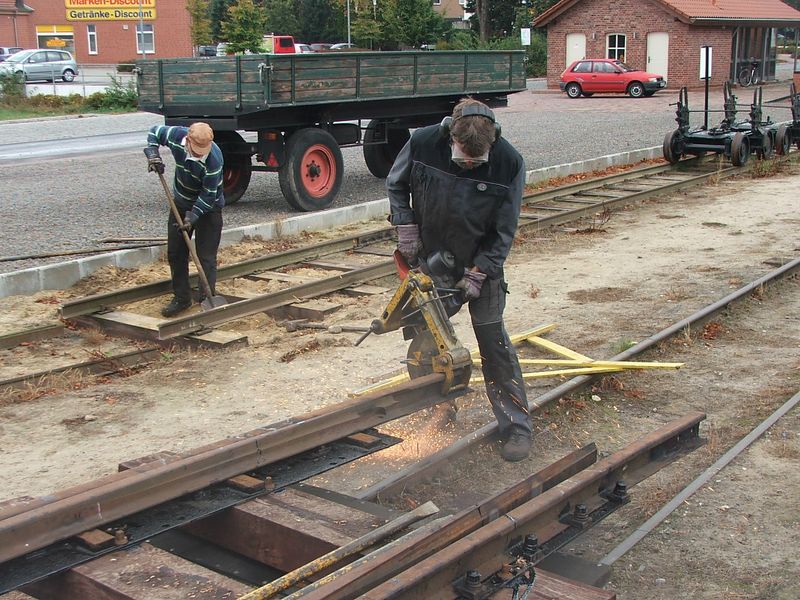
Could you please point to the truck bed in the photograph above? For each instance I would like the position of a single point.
(248, 88)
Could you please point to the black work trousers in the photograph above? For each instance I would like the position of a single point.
(505, 386)
(207, 234)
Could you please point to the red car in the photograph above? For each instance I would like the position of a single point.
(589, 76)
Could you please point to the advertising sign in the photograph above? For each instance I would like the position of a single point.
(110, 10)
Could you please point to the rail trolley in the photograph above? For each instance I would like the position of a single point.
(736, 140)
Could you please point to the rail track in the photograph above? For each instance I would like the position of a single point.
(553, 506)
(542, 209)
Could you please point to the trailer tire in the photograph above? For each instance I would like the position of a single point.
(312, 174)
(767, 149)
(782, 141)
(381, 156)
(673, 146)
(740, 150)
(237, 168)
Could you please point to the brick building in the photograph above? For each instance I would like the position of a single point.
(666, 36)
(99, 31)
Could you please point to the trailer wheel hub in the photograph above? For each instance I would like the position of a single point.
(319, 170)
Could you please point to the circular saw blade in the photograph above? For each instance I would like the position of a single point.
(420, 353)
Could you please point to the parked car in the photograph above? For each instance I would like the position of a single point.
(206, 51)
(6, 51)
(303, 49)
(587, 77)
(320, 46)
(342, 46)
(47, 65)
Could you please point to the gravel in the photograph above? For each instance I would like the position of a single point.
(70, 202)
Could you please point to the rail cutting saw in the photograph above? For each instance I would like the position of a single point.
(421, 307)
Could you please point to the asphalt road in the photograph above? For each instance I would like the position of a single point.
(67, 183)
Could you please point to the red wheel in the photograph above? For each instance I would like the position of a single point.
(237, 168)
(312, 174)
(318, 170)
(235, 179)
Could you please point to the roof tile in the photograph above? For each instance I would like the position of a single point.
(734, 9)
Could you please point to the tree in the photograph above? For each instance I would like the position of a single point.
(244, 27)
(218, 12)
(412, 23)
(200, 25)
(366, 31)
(320, 20)
(282, 17)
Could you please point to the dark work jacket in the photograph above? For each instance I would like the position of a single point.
(472, 213)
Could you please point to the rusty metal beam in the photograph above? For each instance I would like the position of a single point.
(359, 577)
(428, 563)
(244, 308)
(32, 525)
(100, 302)
(486, 549)
(9, 340)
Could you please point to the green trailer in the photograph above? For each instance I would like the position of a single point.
(305, 107)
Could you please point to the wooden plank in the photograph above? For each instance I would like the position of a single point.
(313, 310)
(277, 276)
(138, 573)
(287, 529)
(549, 586)
(144, 327)
(366, 290)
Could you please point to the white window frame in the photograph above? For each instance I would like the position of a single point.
(141, 36)
(437, 2)
(617, 48)
(91, 38)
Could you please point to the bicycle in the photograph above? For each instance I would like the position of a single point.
(750, 75)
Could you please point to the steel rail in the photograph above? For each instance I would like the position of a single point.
(577, 382)
(15, 338)
(104, 301)
(371, 570)
(100, 366)
(100, 302)
(705, 476)
(429, 573)
(396, 482)
(235, 310)
(629, 198)
(599, 182)
(198, 321)
(31, 525)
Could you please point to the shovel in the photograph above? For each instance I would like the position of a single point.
(210, 301)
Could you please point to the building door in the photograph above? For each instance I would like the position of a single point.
(576, 47)
(658, 54)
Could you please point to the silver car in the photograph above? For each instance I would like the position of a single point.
(47, 65)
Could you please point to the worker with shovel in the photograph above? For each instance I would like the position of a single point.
(197, 202)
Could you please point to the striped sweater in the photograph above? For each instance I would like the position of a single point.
(198, 184)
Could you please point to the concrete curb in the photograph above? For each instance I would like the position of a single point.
(62, 275)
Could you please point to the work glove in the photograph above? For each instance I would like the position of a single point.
(189, 221)
(408, 242)
(154, 162)
(470, 285)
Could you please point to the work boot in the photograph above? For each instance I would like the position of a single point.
(517, 447)
(177, 305)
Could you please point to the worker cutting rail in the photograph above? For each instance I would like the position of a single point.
(455, 192)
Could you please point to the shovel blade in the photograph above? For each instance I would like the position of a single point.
(213, 302)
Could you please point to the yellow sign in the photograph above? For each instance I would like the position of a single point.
(55, 43)
(110, 14)
(105, 4)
